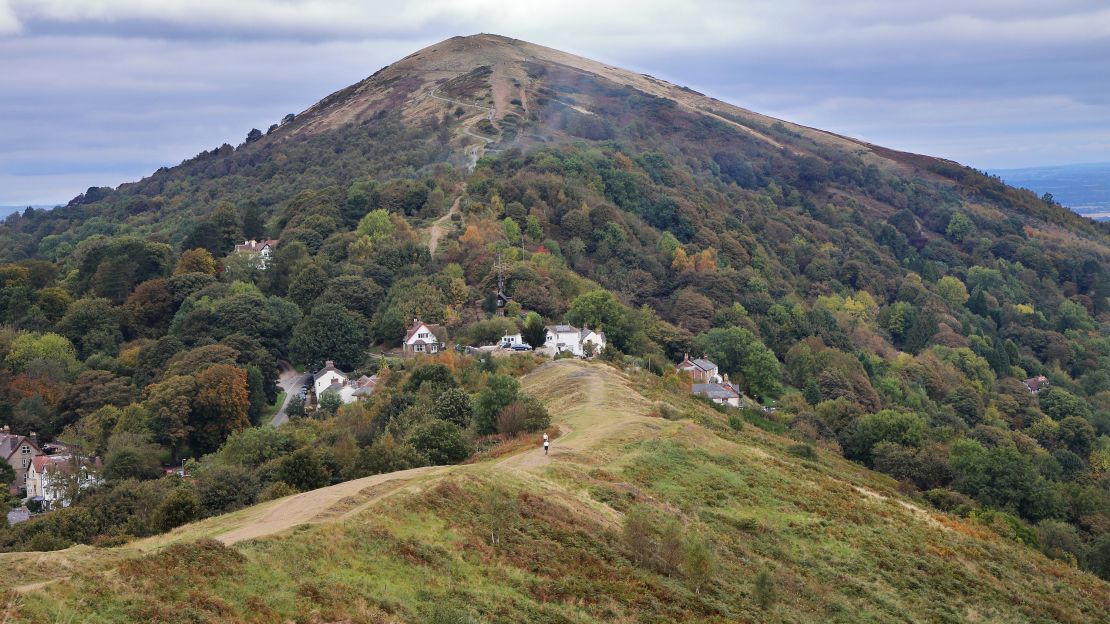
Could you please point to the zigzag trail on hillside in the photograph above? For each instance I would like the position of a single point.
(595, 407)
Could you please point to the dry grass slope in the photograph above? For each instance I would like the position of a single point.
(531, 538)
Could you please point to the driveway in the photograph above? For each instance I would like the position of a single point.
(290, 381)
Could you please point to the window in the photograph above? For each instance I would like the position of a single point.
(26, 450)
(422, 335)
(418, 347)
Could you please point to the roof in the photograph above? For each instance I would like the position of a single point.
(1035, 383)
(335, 386)
(256, 246)
(715, 391)
(10, 442)
(417, 324)
(699, 363)
(329, 367)
(562, 329)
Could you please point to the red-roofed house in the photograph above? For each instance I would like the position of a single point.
(263, 250)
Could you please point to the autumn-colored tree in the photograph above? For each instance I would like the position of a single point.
(220, 406)
(682, 261)
(150, 308)
(196, 261)
(705, 261)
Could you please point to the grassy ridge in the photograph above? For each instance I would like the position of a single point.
(528, 539)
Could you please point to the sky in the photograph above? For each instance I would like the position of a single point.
(100, 92)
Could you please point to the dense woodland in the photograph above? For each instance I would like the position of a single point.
(889, 308)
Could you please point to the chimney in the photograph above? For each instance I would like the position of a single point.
(329, 364)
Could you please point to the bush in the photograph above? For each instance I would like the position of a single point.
(226, 488)
(454, 406)
(276, 490)
(805, 451)
(524, 415)
(386, 455)
(764, 589)
(440, 441)
(181, 506)
(304, 470)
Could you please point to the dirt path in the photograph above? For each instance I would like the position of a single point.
(476, 151)
(439, 226)
(308, 506)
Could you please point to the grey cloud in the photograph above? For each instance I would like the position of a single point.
(104, 91)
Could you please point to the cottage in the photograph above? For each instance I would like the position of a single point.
(18, 451)
(720, 393)
(423, 338)
(701, 370)
(327, 376)
(262, 251)
(1036, 384)
(560, 338)
(511, 340)
(56, 479)
(349, 391)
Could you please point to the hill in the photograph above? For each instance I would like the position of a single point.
(530, 538)
(1083, 187)
(903, 312)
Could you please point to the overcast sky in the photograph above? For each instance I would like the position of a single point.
(99, 92)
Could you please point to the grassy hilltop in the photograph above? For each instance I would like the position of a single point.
(633, 517)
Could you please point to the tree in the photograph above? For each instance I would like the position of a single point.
(700, 565)
(512, 230)
(1060, 404)
(737, 351)
(330, 402)
(256, 390)
(196, 261)
(220, 407)
(170, 404)
(132, 456)
(7, 474)
(500, 391)
(440, 441)
(534, 332)
(434, 378)
(309, 284)
(454, 406)
(295, 407)
(330, 332)
(27, 348)
(358, 294)
(180, 506)
(253, 226)
(150, 308)
(959, 227)
(226, 488)
(92, 325)
(303, 470)
(376, 225)
(859, 438)
(952, 290)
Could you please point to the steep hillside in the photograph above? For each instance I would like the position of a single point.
(900, 311)
(530, 538)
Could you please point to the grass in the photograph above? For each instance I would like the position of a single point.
(273, 409)
(796, 537)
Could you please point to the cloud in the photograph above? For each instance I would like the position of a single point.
(104, 91)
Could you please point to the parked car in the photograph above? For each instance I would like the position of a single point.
(522, 347)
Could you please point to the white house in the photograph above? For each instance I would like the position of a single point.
(58, 478)
(569, 338)
(422, 338)
(261, 250)
(327, 376)
(511, 340)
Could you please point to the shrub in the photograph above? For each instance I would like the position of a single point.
(226, 488)
(454, 406)
(276, 490)
(805, 451)
(303, 470)
(179, 507)
(440, 441)
(764, 589)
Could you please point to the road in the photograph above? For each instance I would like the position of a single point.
(290, 381)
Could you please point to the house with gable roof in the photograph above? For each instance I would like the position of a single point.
(18, 451)
(423, 338)
(701, 370)
(326, 377)
(262, 250)
(569, 338)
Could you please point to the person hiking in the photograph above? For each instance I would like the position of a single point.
(546, 442)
